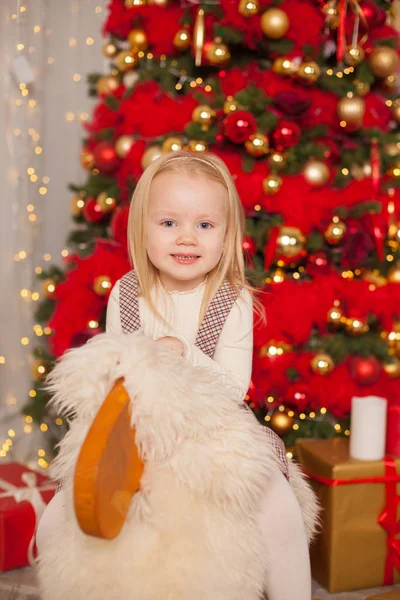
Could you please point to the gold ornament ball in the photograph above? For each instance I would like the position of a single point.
(182, 39)
(87, 159)
(396, 111)
(106, 85)
(316, 173)
(40, 369)
(161, 3)
(197, 146)
(394, 274)
(126, 60)
(123, 145)
(383, 61)
(392, 149)
(230, 106)
(274, 23)
(203, 114)
(362, 88)
(272, 184)
(394, 170)
(390, 82)
(152, 153)
(257, 145)
(356, 326)
(102, 285)
(354, 55)
(335, 316)
(77, 205)
(172, 144)
(132, 3)
(290, 242)
(322, 364)
(218, 53)
(276, 159)
(393, 368)
(308, 71)
(331, 14)
(335, 232)
(351, 110)
(283, 66)
(249, 8)
(48, 288)
(138, 40)
(110, 50)
(281, 422)
(106, 202)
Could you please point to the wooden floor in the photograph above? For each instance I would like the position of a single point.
(21, 585)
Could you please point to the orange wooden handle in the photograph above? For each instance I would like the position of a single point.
(109, 469)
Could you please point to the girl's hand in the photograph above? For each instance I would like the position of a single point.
(172, 344)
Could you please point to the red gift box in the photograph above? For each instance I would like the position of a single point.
(23, 494)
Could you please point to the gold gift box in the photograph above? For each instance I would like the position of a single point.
(351, 550)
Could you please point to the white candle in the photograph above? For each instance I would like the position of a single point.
(368, 428)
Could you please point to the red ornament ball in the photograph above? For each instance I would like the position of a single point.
(285, 135)
(92, 211)
(318, 263)
(119, 225)
(105, 157)
(373, 14)
(365, 371)
(239, 125)
(249, 246)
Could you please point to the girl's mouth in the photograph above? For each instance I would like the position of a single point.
(185, 259)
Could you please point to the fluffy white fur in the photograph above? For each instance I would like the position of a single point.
(192, 530)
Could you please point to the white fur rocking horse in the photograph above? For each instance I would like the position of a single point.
(188, 522)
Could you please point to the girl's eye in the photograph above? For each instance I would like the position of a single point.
(205, 225)
(168, 223)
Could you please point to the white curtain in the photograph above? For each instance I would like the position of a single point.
(60, 42)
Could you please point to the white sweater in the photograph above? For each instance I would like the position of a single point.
(233, 352)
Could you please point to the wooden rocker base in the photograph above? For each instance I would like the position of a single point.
(108, 470)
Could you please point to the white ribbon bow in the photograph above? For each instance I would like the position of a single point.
(30, 493)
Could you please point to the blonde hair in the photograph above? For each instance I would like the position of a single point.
(231, 265)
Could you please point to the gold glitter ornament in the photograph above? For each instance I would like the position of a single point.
(308, 71)
(272, 184)
(182, 39)
(356, 326)
(123, 145)
(126, 60)
(102, 285)
(284, 66)
(204, 115)
(230, 106)
(249, 8)
(290, 242)
(354, 55)
(335, 232)
(48, 288)
(218, 53)
(77, 205)
(335, 316)
(110, 50)
(172, 144)
(138, 40)
(106, 202)
(152, 153)
(107, 84)
(197, 146)
(322, 363)
(257, 145)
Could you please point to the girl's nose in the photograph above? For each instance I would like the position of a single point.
(187, 238)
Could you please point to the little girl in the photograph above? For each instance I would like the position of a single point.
(188, 292)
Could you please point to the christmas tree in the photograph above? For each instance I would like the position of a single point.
(299, 98)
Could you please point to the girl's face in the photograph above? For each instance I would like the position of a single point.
(185, 228)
